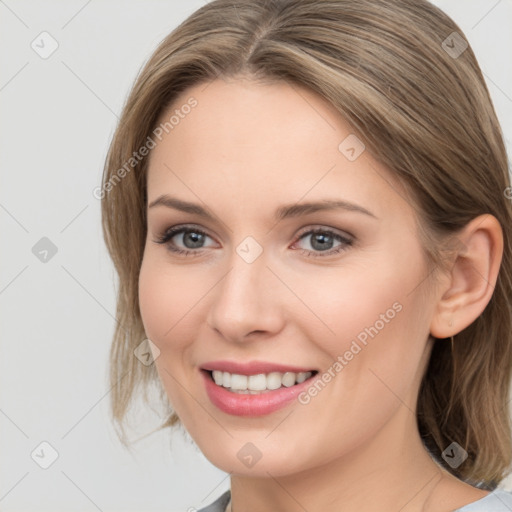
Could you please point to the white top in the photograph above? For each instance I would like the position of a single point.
(498, 500)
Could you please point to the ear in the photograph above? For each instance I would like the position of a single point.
(468, 288)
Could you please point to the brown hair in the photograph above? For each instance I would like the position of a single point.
(421, 108)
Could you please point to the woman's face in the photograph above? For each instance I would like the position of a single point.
(264, 279)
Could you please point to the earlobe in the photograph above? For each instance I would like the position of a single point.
(470, 284)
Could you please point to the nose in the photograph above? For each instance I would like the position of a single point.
(246, 301)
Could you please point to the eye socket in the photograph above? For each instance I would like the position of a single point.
(325, 237)
(170, 233)
(322, 236)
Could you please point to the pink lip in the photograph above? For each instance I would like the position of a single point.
(251, 405)
(252, 367)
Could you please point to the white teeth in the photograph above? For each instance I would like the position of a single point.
(302, 376)
(289, 379)
(226, 379)
(274, 380)
(257, 382)
(253, 384)
(238, 381)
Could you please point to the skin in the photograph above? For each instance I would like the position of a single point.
(242, 152)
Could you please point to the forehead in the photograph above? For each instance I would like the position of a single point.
(262, 144)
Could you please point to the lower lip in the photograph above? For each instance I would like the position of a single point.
(241, 404)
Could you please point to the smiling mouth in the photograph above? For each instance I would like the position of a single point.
(258, 384)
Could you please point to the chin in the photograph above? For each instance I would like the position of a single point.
(258, 459)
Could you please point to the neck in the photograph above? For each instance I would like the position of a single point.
(391, 472)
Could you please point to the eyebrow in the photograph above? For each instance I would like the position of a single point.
(283, 212)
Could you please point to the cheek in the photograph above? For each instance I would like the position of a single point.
(343, 307)
(164, 299)
(151, 300)
(368, 316)
(172, 301)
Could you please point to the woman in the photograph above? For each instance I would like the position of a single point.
(306, 204)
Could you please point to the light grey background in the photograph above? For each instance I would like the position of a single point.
(57, 318)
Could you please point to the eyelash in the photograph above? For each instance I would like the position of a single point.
(171, 232)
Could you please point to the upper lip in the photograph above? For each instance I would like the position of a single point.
(252, 367)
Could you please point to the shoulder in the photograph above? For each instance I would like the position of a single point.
(498, 500)
(220, 504)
